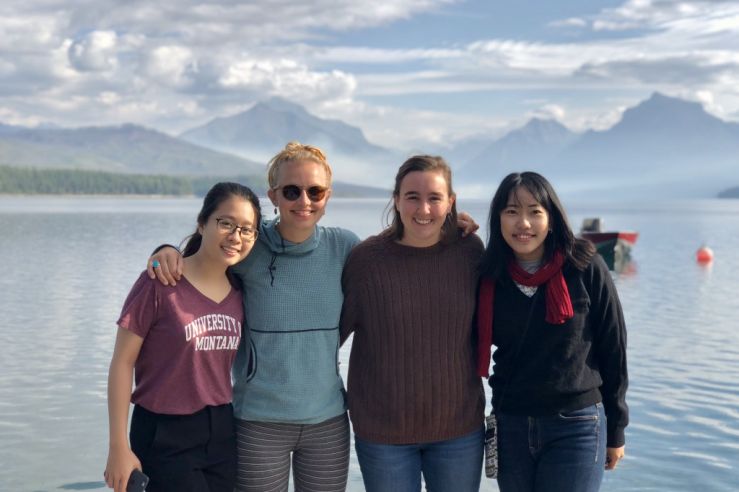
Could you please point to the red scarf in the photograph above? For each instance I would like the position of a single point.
(558, 303)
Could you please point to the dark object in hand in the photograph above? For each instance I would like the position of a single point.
(137, 481)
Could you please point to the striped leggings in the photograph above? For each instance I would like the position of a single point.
(320, 455)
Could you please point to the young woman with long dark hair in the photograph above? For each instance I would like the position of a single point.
(548, 303)
(181, 341)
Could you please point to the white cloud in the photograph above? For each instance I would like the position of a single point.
(177, 63)
(687, 70)
(222, 53)
(95, 52)
(369, 56)
(705, 97)
(170, 65)
(10, 116)
(693, 45)
(658, 15)
(287, 78)
(570, 22)
(109, 98)
(581, 120)
(550, 112)
(406, 129)
(606, 25)
(34, 31)
(219, 20)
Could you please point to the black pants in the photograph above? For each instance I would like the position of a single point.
(186, 453)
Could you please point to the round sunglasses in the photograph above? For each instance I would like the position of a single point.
(293, 192)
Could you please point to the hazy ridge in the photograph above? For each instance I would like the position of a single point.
(662, 148)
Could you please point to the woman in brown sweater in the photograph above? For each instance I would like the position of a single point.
(415, 400)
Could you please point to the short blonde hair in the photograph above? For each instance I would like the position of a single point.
(295, 152)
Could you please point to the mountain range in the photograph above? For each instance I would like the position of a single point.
(123, 149)
(663, 147)
(260, 132)
(531, 145)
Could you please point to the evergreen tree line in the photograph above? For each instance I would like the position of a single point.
(21, 180)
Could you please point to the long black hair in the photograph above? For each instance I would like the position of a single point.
(219, 193)
(429, 163)
(577, 252)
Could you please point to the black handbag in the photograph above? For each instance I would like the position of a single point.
(491, 446)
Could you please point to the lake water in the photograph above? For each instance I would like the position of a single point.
(68, 263)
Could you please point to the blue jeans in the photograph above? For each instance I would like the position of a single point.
(560, 453)
(454, 465)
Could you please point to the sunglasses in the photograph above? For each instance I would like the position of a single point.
(293, 192)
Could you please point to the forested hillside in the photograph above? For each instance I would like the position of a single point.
(65, 181)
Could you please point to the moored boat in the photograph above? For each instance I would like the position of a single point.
(613, 246)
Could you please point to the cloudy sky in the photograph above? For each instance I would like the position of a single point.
(405, 71)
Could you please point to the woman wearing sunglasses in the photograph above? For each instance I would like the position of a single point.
(288, 394)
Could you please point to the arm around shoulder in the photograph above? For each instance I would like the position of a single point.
(165, 264)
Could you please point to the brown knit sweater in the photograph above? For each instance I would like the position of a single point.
(412, 374)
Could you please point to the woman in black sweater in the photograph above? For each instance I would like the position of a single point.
(548, 303)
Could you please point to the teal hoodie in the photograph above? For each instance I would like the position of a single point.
(286, 369)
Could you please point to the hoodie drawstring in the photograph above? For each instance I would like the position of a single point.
(272, 269)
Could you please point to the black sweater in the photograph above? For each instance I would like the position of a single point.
(566, 367)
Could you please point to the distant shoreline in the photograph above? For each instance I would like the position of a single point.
(70, 182)
(140, 196)
(97, 195)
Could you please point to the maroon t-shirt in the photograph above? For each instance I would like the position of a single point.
(190, 342)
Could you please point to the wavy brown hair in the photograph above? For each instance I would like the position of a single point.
(423, 163)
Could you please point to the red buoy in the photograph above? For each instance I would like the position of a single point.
(704, 255)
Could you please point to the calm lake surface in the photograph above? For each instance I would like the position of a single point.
(68, 263)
